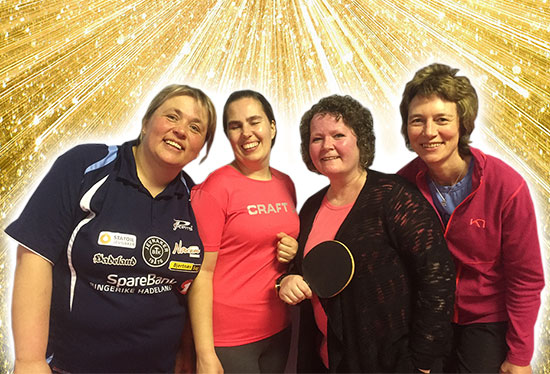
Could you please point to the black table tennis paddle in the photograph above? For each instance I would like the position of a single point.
(328, 268)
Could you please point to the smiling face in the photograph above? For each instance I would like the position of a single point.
(250, 133)
(434, 130)
(175, 133)
(333, 147)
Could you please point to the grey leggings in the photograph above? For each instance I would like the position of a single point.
(268, 355)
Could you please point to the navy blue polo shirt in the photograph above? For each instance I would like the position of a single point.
(121, 261)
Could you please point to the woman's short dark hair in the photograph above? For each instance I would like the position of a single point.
(441, 80)
(266, 106)
(353, 114)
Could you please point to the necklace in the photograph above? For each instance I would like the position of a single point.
(441, 197)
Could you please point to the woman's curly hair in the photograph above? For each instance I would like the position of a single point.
(353, 114)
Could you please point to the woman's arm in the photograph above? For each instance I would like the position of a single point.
(200, 310)
(524, 277)
(32, 293)
(210, 215)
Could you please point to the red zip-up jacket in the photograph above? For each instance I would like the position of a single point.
(493, 238)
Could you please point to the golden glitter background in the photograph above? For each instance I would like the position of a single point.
(77, 71)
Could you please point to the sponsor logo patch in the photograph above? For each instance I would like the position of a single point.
(139, 281)
(187, 267)
(155, 252)
(185, 286)
(193, 250)
(116, 239)
(146, 284)
(100, 258)
(180, 224)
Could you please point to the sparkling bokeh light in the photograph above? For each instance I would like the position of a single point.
(78, 71)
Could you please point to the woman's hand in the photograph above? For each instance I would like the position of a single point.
(287, 247)
(294, 289)
(508, 368)
(209, 364)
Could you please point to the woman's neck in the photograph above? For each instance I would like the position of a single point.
(153, 177)
(257, 172)
(449, 174)
(343, 191)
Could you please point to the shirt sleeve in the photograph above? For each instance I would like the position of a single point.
(524, 274)
(48, 219)
(419, 238)
(292, 189)
(210, 218)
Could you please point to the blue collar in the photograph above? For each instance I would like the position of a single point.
(126, 170)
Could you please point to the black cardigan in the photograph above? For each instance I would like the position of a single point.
(395, 314)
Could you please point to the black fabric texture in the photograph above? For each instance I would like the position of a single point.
(395, 315)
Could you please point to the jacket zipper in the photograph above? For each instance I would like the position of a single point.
(457, 265)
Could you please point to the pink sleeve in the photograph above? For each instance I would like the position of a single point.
(524, 274)
(210, 218)
(292, 188)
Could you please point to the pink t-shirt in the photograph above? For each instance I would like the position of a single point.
(240, 218)
(328, 220)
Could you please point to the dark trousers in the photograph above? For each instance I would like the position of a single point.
(477, 348)
(268, 355)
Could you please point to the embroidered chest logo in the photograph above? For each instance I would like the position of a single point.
(100, 258)
(478, 222)
(180, 249)
(187, 267)
(185, 286)
(180, 224)
(116, 239)
(155, 252)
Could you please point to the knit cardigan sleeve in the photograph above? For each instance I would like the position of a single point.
(416, 232)
(397, 309)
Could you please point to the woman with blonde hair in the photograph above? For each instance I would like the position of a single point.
(107, 246)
